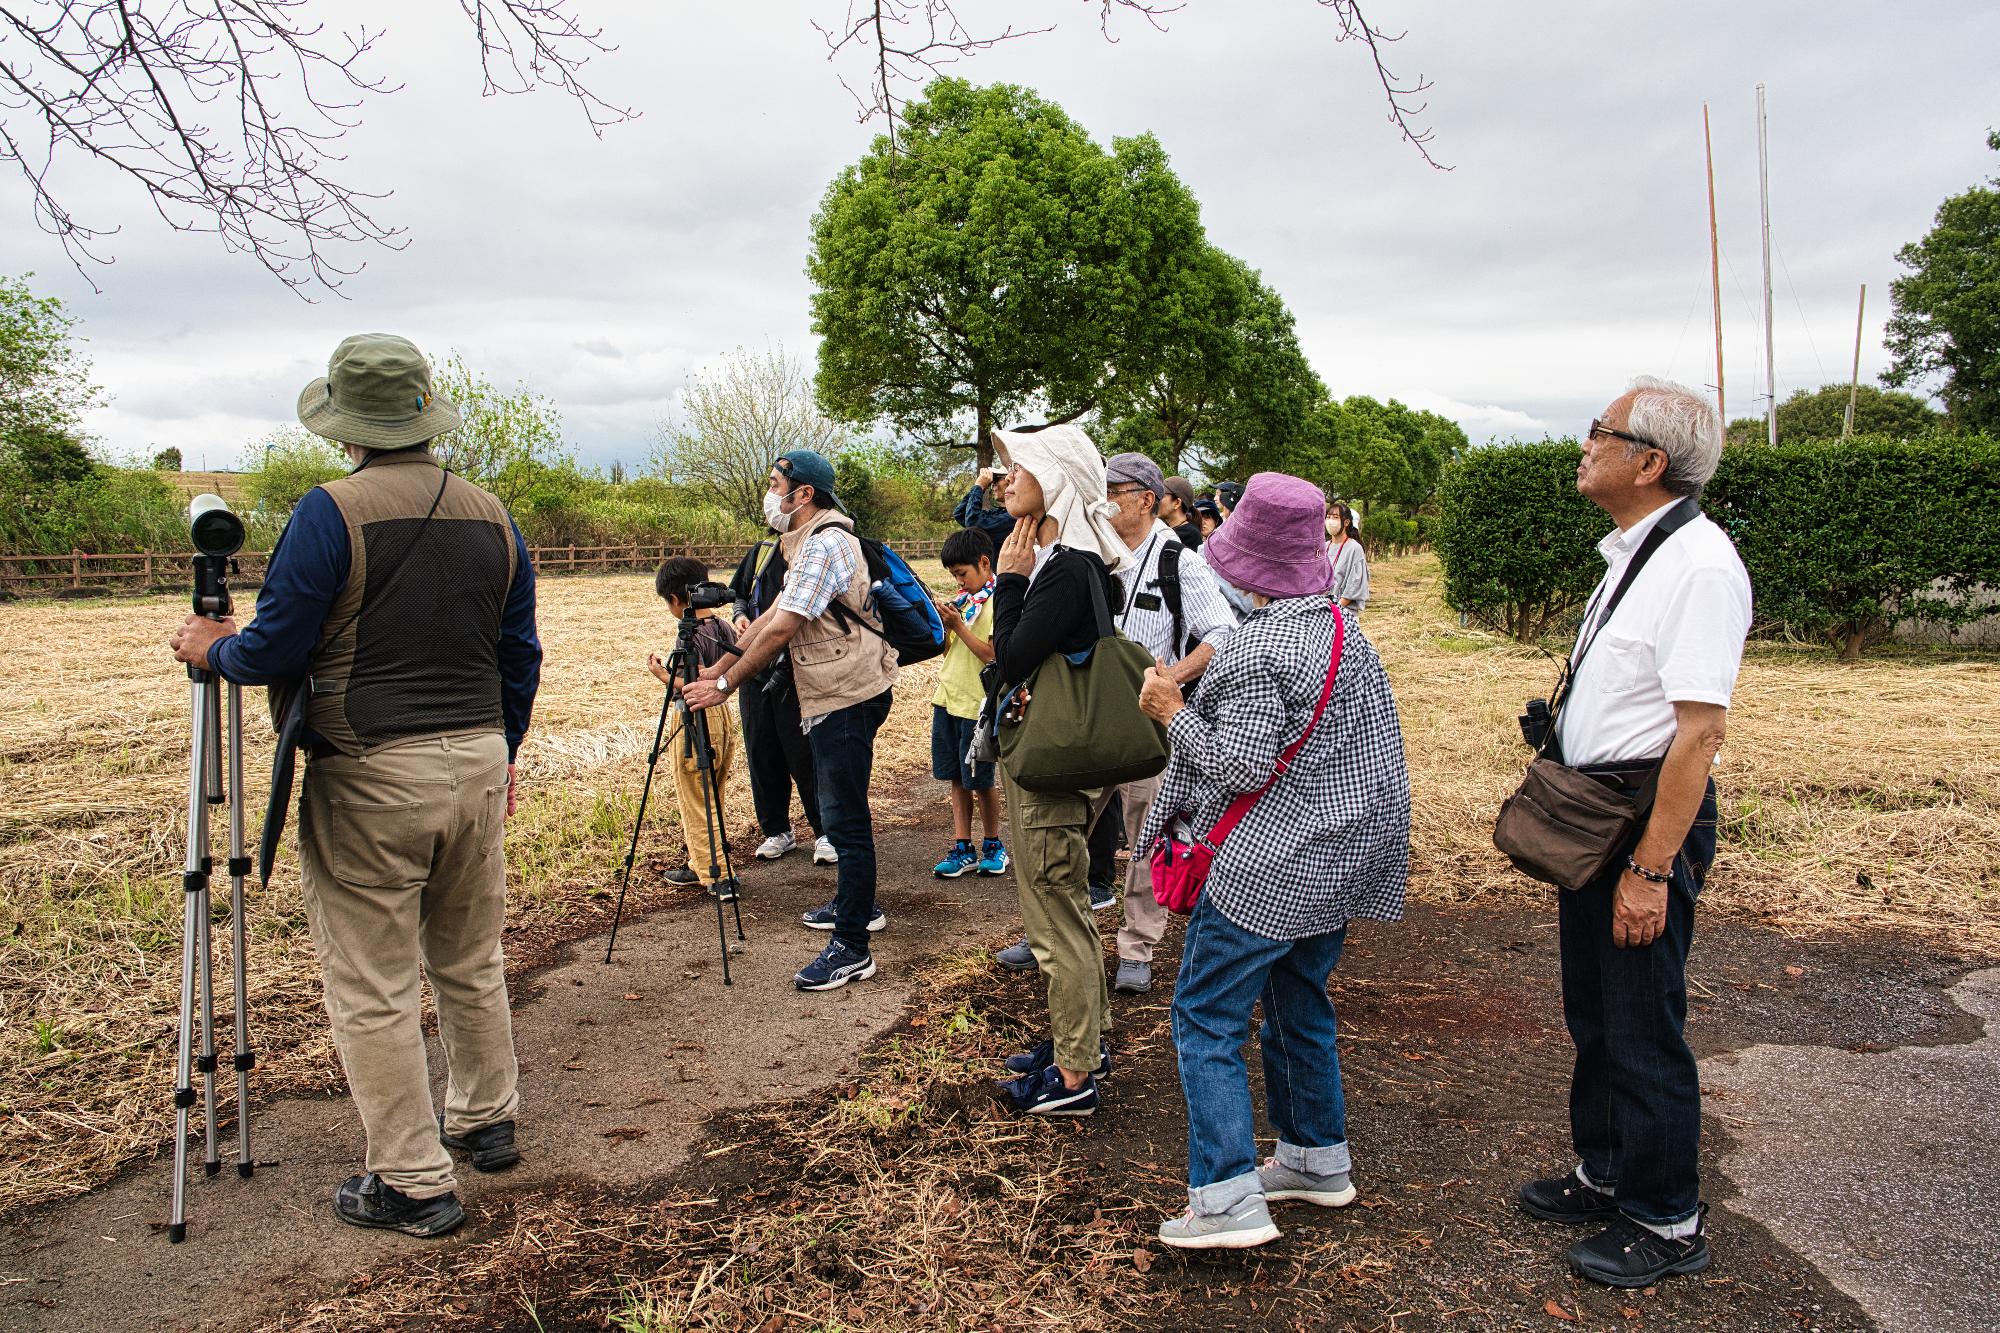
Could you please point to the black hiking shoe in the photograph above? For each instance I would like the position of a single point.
(1566, 1199)
(682, 877)
(492, 1148)
(1626, 1254)
(364, 1201)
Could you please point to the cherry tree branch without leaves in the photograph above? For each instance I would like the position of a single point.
(911, 42)
(225, 113)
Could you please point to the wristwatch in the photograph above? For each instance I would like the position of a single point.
(722, 683)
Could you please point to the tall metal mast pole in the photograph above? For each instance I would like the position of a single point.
(1764, 204)
(1714, 267)
(1854, 383)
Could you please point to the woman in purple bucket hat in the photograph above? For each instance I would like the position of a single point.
(1327, 841)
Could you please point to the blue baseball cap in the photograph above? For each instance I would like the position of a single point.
(806, 468)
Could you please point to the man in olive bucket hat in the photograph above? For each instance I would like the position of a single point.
(396, 629)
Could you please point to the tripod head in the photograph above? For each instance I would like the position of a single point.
(217, 534)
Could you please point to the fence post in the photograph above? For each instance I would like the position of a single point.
(572, 557)
(75, 568)
(148, 575)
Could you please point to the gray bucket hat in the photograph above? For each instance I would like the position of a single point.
(376, 393)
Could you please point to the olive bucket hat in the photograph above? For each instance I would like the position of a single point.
(376, 393)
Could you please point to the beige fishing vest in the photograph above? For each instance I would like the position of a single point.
(835, 666)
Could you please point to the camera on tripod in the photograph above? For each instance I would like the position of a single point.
(707, 596)
(1535, 724)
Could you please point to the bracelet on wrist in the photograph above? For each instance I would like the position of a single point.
(1650, 876)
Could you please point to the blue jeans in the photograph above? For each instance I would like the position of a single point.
(843, 750)
(1225, 970)
(1635, 1098)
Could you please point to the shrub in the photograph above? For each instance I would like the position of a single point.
(1514, 537)
(106, 509)
(280, 469)
(1841, 538)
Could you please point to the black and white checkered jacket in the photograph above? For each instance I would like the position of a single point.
(1331, 840)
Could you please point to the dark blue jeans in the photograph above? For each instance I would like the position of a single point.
(1225, 970)
(1635, 1098)
(843, 751)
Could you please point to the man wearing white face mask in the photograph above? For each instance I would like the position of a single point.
(845, 673)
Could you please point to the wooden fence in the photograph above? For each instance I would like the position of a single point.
(147, 571)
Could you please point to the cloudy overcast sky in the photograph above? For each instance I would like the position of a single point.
(1566, 251)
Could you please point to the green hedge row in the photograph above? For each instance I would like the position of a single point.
(1842, 538)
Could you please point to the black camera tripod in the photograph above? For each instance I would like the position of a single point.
(207, 787)
(692, 729)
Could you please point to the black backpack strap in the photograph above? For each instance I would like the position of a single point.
(1170, 588)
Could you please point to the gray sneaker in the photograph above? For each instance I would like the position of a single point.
(1134, 978)
(1282, 1183)
(1247, 1224)
(1017, 957)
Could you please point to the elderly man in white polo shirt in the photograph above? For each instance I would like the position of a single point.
(1657, 667)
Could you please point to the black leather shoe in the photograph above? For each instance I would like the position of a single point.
(364, 1201)
(1566, 1199)
(492, 1148)
(1626, 1254)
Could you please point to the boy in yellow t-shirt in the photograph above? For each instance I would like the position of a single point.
(968, 618)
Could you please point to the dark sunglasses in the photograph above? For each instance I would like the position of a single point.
(1598, 428)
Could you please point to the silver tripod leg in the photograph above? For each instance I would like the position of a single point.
(239, 869)
(205, 1062)
(192, 877)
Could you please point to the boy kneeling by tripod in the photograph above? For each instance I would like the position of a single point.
(701, 802)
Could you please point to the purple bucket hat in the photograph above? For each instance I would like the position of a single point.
(1274, 542)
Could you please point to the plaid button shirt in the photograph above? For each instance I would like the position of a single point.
(1330, 841)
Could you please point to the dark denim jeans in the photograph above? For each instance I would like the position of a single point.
(778, 754)
(843, 750)
(1225, 970)
(1635, 1098)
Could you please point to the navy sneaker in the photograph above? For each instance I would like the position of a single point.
(1046, 1094)
(1103, 897)
(838, 963)
(822, 918)
(1042, 1056)
(993, 857)
(960, 860)
(682, 877)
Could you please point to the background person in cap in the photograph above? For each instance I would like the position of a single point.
(974, 512)
(1228, 495)
(844, 673)
(1177, 512)
(1328, 841)
(401, 599)
(1171, 604)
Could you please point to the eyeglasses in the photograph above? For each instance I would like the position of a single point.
(1598, 428)
(1133, 489)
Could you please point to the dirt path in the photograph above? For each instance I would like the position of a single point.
(620, 1068)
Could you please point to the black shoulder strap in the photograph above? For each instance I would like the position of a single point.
(1170, 588)
(1098, 602)
(1671, 522)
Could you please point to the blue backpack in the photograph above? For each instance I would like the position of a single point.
(910, 621)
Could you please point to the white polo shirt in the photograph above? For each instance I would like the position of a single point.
(1145, 616)
(1676, 637)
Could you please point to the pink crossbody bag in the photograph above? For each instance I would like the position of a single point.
(1180, 869)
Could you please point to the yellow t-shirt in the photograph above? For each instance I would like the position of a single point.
(959, 691)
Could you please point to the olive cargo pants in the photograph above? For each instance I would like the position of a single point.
(404, 867)
(1052, 877)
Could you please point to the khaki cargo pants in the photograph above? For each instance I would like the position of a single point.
(1052, 877)
(1145, 920)
(689, 786)
(404, 867)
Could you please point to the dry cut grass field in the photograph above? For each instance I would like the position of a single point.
(1853, 796)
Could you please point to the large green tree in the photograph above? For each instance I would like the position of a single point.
(1820, 414)
(1947, 322)
(1221, 370)
(45, 385)
(994, 258)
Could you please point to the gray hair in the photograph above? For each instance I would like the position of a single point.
(1683, 425)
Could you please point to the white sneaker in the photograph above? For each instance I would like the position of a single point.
(775, 846)
(1246, 1225)
(823, 853)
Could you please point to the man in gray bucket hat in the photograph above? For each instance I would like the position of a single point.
(396, 629)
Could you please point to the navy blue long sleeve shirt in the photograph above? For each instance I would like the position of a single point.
(308, 570)
(973, 513)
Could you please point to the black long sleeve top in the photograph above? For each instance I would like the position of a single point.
(1055, 615)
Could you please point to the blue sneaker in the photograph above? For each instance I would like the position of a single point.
(823, 916)
(1044, 1055)
(958, 861)
(838, 963)
(1103, 897)
(1046, 1094)
(993, 857)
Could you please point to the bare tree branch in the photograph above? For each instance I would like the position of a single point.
(1354, 27)
(225, 114)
